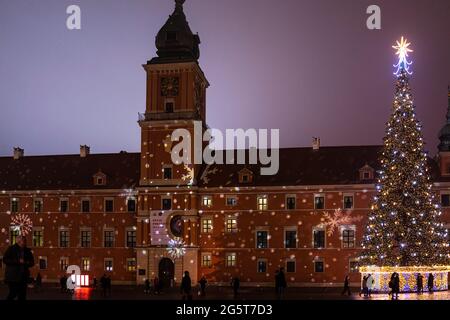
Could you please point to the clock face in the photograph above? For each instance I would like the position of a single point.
(176, 226)
(170, 86)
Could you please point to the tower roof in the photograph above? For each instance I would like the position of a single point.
(175, 41)
(444, 134)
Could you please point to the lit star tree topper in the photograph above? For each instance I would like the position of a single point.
(403, 51)
(404, 227)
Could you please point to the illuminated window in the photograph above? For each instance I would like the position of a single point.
(353, 265)
(263, 203)
(131, 265)
(13, 234)
(230, 259)
(38, 237)
(348, 202)
(131, 238)
(206, 260)
(86, 264)
(14, 205)
(109, 205)
(63, 263)
(207, 201)
(262, 265)
(262, 239)
(63, 205)
(85, 238)
(231, 225)
(63, 238)
(290, 202)
(108, 264)
(37, 205)
(319, 202)
(348, 238)
(108, 238)
(207, 225)
(231, 201)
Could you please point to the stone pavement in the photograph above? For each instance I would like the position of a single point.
(214, 293)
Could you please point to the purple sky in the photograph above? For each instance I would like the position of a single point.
(310, 68)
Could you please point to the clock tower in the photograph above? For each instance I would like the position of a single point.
(175, 99)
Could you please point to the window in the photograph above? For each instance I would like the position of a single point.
(167, 173)
(353, 265)
(166, 203)
(206, 260)
(131, 238)
(318, 266)
(262, 266)
(1, 263)
(108, 238)
(319, 238)
(131, 205)
(445, 200)
(99, 181)
(290, 238)
(14, 205)
(63, 263)
(37, 205)
(108, 264)
(13, 234)
(207, 201)
(262, 202)
(109, 205)
(245, 178)
(63, 238)
(231, 225)
(85, 238)
(86, 264)
(230, 260)
(290, 266)
(131, 265)
(348, 202)
(86, 205)
(290, 202)
(63, 205)
(42, 263)
(231, 201)
(169, 107)
(366, 175)
(319, 202)
(38, 237)
(207, 225)
(262, 239)
(348, 238)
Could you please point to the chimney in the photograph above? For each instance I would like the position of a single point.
(18, 153)
(316, 143)
(84, 151)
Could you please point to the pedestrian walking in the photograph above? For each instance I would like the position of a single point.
(186, 287)
(63, 283)
(147, 286)
(364, 286)
(395, 286)
(94, 283)
(38, 283)
(203, 283)
(156, 285)
(369, 283)
(104, 284)
(18, 259)
(235, 284)
(347, 286)
(419, 283)
(430, 282)
(282, 284)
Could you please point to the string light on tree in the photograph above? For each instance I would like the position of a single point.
(403, 229)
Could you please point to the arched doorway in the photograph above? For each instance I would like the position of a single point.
(166, 272)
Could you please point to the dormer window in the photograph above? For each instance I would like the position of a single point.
(245, 176)
(99, 179)
(366, 173)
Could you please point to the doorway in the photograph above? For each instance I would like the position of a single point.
(166, 272)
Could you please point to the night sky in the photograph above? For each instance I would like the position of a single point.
(310, 68)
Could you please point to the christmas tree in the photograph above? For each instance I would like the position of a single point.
(404, 227)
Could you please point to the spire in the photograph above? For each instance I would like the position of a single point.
(175, 41)
(444, 134)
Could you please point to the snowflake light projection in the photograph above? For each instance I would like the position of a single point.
(22, 223)
(189, 176)
(207, 172)
(332, 222)
(176, 248)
